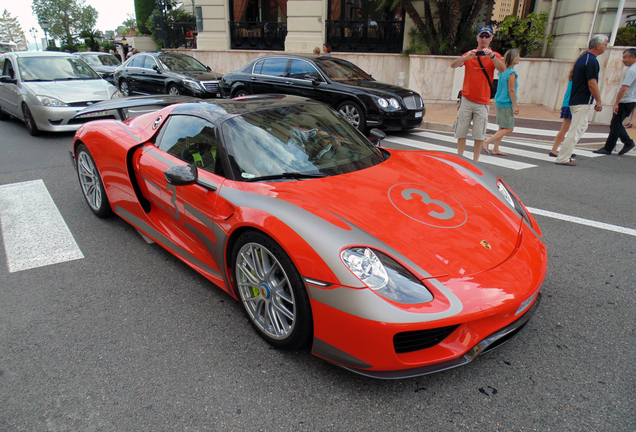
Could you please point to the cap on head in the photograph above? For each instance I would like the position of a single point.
(486, 29)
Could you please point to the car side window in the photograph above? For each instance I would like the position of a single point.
(258, 67)
(149, 63)
(8, 69)
(137, 61)
(193, 140)
(300, 69)
(274, 67)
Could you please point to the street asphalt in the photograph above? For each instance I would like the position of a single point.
(131, 339)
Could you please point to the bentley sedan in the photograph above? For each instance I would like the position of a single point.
(363, 101)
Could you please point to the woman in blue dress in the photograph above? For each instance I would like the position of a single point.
(566, 115)
(505, 101)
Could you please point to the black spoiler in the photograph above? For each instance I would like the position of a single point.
(128, 107)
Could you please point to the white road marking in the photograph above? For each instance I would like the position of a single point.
(546, 132)
(33, 229)
(491, 160)
(581, 221)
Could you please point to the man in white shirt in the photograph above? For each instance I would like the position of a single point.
(625, 103)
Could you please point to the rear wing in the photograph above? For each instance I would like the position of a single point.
(126, 108)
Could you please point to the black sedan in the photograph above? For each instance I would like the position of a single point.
(365, 102)
(168, 73)
(102, 63)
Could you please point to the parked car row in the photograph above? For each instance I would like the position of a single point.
(363, 101)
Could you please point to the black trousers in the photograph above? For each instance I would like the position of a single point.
(617, 130)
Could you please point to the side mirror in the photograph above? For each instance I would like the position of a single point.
(376, 135)
(7, 79)
(156, 68)
(181, 175)
(209, 68)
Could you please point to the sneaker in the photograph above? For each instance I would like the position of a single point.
(568, 163)
(603, 151)
(626, 148)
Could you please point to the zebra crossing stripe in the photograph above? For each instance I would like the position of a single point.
(33, 229)
(546, 132)
(581, 221)
(490, 160)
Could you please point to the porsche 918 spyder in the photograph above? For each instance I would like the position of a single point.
(389, 263)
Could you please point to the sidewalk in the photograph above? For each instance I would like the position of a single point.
(441, 117)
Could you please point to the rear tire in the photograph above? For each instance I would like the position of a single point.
(91, 183)
(272, 291)
(29, 121)
(240, 93)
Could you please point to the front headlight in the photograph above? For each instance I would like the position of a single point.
(394, 103)
(385, 276)
(117, 95)
(383, 103)
(193, 85)
(49, 101)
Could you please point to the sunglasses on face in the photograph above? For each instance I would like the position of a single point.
(484, 35)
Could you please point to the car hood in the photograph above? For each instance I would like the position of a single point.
(376, 88)
(201, 76)
(393, 202)
(73, 90)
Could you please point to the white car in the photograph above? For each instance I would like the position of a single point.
(47, 89)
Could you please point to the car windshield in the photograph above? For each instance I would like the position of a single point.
(101, 60)
(54, 68)
(341, 70)
(181, 63)
(296, 142)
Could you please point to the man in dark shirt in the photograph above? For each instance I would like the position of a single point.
(584, 91)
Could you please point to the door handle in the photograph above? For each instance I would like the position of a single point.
(289, 83)
(253, 78)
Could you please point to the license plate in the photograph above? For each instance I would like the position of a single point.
(418, 114)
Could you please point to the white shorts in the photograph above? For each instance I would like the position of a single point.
(478, 113)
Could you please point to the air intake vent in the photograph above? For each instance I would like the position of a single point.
(421, 339)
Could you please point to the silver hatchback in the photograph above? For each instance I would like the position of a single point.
(47, 89)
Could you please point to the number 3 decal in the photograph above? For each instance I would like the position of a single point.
(448, 212)
(173, 200)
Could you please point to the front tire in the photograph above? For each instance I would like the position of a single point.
(29, 121)
(272, 291)
(124, 87)
(240, 93)
(173, 90)
(354, 115)
(91, 183)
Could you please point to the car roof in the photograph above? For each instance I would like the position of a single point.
(214, 109)
(39, 54)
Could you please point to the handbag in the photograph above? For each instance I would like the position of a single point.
(493, 84)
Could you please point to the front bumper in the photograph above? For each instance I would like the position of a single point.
(59, 119)
(493, 306)
(397, 120)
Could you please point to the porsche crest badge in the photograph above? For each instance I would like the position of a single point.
(485, 244)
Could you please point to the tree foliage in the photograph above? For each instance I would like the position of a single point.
(173, 19)
(143, 10)
(66, 18)
(90, 38)
(626, 36)
(447, 27)
(10, 31)
(524, 34)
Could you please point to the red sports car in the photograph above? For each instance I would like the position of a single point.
(388, 263)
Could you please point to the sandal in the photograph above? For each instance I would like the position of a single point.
(628, 125)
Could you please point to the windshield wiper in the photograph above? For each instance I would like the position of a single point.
(287, 175)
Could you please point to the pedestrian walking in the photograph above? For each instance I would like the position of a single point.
(505, 101)
(584, 91)
(625, 102)
(479, 68)
(566, 115)
(326, 49)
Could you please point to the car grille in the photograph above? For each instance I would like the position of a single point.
(417, 340)
(82, 104)
(211, 86)
(413, 102)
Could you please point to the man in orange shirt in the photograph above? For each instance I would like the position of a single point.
(476, 90)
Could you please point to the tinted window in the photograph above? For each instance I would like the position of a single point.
(176, 62)
(193, 140)
(274, 67)
(258, 67)
(149, 62)
(308, 139)
(8, 69)
(341, 70)
(300, 69)
(136, 61)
